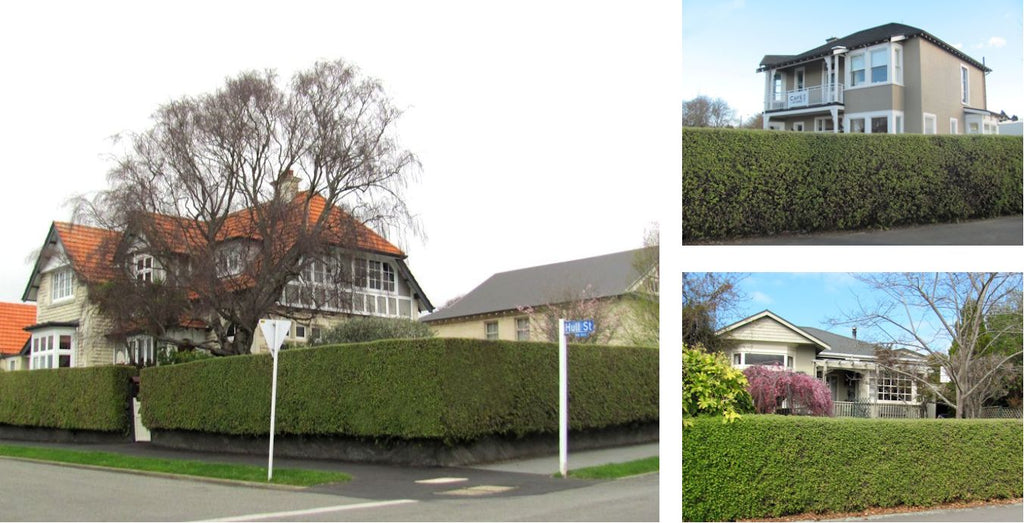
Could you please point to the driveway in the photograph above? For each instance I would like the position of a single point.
(1008, 230)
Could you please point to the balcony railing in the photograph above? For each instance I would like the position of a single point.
(863, 409)
(806, 97)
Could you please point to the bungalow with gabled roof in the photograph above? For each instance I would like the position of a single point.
(859, 385)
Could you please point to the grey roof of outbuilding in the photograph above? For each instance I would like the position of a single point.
(606, 276)
(841, 344)
(864, 38)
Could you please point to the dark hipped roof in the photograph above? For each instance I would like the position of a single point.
(865, 38)
(608, 275)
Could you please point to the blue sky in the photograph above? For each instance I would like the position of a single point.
(724, 40)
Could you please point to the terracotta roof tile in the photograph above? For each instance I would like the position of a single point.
(90, 249)
(14, 317)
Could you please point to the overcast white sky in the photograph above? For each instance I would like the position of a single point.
(547, 131)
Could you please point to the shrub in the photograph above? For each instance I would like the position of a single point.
(356, 330)
(89, 398)
(751, 183)
(771, 466)
(769, 387)
(711, 386)
(436, 388)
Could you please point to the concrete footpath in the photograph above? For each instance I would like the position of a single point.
(371, 481)
(1007, 230)
(995, 512)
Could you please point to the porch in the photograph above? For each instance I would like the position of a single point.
(866, 409)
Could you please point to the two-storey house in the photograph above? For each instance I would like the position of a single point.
(888, 79)
(71, 331)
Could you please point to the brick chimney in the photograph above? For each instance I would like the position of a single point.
(287, 185)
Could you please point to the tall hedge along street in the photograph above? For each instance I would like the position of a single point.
(443, 389)
(91, 398)
(738, 182)
(768, 466)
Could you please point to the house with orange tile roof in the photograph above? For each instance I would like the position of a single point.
(14, 317)
(70, 331)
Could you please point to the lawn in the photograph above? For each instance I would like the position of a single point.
(616, 470)
(294, 477)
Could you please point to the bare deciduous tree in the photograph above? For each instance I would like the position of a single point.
(703, 111)
(643, 325)
(210, 191)
(932, 313)
(706, 297)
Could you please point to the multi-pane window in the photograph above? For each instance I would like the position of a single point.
(50, 350)
(62, 283)
(380, 276)
(522, 329)
(777, 87)
(857, 70)
(491, 330)
(300, 331)
(880, 65)
(757, 358)
(895, 387)
(143, 267)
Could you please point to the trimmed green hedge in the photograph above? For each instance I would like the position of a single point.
(90, 398)
(752, 183)
(446, 389)
(769, 466)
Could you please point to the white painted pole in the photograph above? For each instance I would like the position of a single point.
(273, 408)
(563, 401)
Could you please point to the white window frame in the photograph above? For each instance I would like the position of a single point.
(820, 124)
(799, 79)
(924, 123)
(523, 329)
(143, 267)
(965, 85)
(893, 74)
(895, 385)
(788, 358)
(798, 124)
(892, 126)
(778, 86)
(62, 284)
(488, 335)
(300, 331)
(954, 126)
(45, 350)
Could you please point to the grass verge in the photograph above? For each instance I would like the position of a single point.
(616, 470)
(294, 477)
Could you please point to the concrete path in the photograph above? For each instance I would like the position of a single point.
(1011, 512)
(1007, 230)
(576, 460)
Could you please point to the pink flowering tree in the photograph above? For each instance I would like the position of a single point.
(770, 386)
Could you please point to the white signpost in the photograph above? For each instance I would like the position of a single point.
(275, 332)
(578, 328)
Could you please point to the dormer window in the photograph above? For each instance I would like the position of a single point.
(142, 267)
(62, 283)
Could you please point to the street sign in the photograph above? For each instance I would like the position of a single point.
(275, 332)
(579, 328)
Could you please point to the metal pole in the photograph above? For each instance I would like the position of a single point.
(563, 401)
(273, 408)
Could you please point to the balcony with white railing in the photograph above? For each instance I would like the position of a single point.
(806, 97)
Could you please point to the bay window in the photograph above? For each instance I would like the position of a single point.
(880, 65)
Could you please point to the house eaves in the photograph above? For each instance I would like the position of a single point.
(866, 38)
(769, 314)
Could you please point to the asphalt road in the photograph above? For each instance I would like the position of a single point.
(53, 492)
(997, 231)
